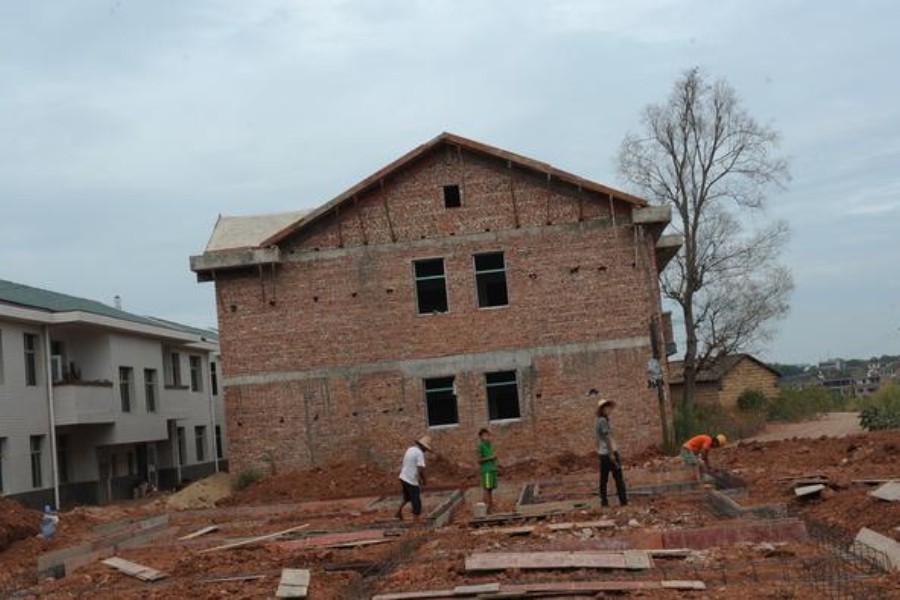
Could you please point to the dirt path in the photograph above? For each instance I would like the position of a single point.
(838, 424)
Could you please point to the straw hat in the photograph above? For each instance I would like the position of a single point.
(602, 403)
(722, 439)
(425, 442)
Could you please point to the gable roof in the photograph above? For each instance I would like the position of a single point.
(26, 296)
(231, 233)
(448, 138)
(714, 372)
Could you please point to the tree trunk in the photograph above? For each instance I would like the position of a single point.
(690, 357)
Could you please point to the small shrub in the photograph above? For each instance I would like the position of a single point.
(245, 478)
(752, 400)
(803, 404)
(882, 410)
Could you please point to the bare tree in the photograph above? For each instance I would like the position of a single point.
(701, 152)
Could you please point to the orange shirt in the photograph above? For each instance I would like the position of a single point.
(698, 443)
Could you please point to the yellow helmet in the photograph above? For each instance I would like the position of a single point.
(722, 439)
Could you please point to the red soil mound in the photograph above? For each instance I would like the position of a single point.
(16, 522)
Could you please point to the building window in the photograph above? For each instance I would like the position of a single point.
(126, 381)
(182, 446)
(196, 373)
(452, 197)
(213, 378)
(57, 362)
(174, 369)
(431, 286)
(150, 389)
(30, 359)
(440, 402)
(2, 460)
(490, 280)
(502, 395)
(200, 440)
(1, 359)
(220, 453)
(37, 446)
(62, 458)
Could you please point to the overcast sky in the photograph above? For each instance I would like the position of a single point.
(126, 127)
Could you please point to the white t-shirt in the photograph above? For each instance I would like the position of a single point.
(412, 460)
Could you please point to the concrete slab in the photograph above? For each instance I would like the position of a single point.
(501, 561)
(883, 546)
(889, 492)
(294, 583)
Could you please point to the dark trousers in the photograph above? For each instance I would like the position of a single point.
(607, 465)
(412, 494)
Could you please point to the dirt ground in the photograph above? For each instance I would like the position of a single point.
(354, 497)
(838, 424)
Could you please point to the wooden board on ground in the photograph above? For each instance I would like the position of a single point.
(544, 508)
(233, 578)
(524, 530)
(141, 572)
(875, 481)
(200, 532)
(262, 538)
(805, 476)
(806, 491)
(890, 492)
(526, 590)
(501, 561)
(601, 524)
(294, 583)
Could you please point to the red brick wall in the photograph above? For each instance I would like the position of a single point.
(325, 355)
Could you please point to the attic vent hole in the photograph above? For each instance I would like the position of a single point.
(452, 198)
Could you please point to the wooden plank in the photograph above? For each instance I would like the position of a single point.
(261, 538)
(200, 532)
(875, 481)
(601, 524)
(544, 508)
(294, 583)
(524, 530)
(804, 476)
(586, 587)
(681, 584)
(421, 595)
(501, 561)
(808, 490)
(361, 543)
(233, 578)
(135, 570)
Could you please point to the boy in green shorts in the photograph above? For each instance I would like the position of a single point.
(488, 462)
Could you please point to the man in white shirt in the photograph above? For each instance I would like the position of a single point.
(412, 476)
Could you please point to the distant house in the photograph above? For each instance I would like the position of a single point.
(725, 379)
(95, 401)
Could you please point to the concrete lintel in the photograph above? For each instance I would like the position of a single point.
(433, 367)
(235, 259)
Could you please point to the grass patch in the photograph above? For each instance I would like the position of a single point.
(245, 478)
(713, 419)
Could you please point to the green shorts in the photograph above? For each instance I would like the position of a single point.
(689, 458)
(489, 480)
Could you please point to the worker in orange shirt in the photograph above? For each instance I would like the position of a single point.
(695, 451)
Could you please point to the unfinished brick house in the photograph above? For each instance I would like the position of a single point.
(459, 287)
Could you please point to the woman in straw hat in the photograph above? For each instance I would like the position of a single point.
(608, 451)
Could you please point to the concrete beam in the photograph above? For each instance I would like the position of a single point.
(234, 259)
(649, 215)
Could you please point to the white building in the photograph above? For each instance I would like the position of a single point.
(94, 400)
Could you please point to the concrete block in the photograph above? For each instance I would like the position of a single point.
(294, 583)
(52, 564)
(887, 547)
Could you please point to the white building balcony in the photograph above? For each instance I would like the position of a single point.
(84, 402)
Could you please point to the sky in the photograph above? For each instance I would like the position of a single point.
(127, 127)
